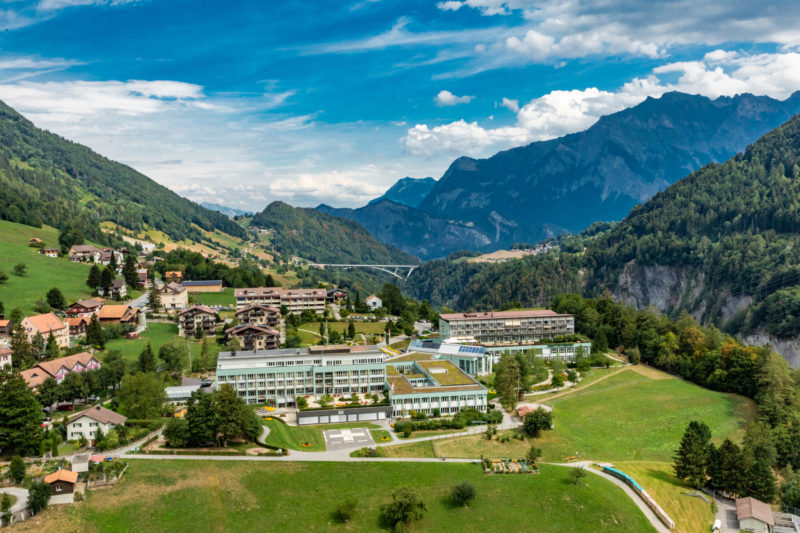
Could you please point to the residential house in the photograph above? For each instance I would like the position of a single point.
(118, 314)
(85, 308)
(49, 252)
(173, 276)
(77, 325)
(373, 302)
(6, 328)
(58, 368)
(258, 314)
(214, 285)
(5, 356)
(144, 280)
(334, 296)
(174, 297)
(104, 257)
(197, 315)
(754, 515)
(83, 253)
(87, 423)
(253, 337)
(35, 241)
(118, 290)
(45, 325)
(62, 481)
(296, 300)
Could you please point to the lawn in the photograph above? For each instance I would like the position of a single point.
(157, 334)
(474, 446)
(43, 273)
(633, 417)
(210, 496)
(370, 328)
(422, 448)
(282, 435)
(215, 298)
(378, 435)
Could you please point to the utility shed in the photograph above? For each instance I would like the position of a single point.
(754, 515)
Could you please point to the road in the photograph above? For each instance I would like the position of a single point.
(141, 301)
(22, 497)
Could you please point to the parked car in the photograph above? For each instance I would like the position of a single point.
(94, 398)
(205, 382)
(66, 406)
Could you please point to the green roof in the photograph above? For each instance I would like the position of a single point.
(446, 373)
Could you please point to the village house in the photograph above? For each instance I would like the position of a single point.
(373, 302)
(258, 314)
(45, 325)
(58, 368)
(144, 281)
(5, 356)
(103, 257)
(754, 515)
(6, 327)
(253, 337)
(173, 276)
(197, 315)
(174, 297)
(35, 241)
(85, 308)
(334, 296)
(83, 253)
(77, 325)
(118, 314)
(87, 423)
(118, 290)
(49, 252)
(62, 481)
(213, 285)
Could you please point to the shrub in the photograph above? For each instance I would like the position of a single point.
(16, 470)
(38, 497)
(345, 511)
(463, 493)
(537, 421)
(405, 508)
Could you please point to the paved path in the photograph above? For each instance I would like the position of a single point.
(573, 389)
(22, 497)
(726, 513)
(651, 516)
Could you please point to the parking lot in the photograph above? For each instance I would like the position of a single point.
(338, 439)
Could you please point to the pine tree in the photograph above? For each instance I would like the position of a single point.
(351, 330)
(20, 416)
(94, 333)
(94, 278)
(691, 457)
(730, 468)
(56, 299)
(21, 347)
(112, 264)
(37, 346)
(129, 272)
(155, 298)
(147, 360)
(51, 350)
(106, 278)
(761, 482)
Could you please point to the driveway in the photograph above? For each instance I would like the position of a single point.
(22, 497)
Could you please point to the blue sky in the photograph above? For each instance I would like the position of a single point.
(245, 102)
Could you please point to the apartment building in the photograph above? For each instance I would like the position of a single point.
(506, 327)
(262, 315)
(254, 337)
(296, 300)
(280, 376)
(197, 315)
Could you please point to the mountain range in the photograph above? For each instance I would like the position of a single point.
(225, 210)
(537, 191)
(408, 191)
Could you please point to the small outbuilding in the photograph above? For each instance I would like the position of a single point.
(62, 481)
(754, 515)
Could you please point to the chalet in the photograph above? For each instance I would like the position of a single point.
(58, 368)
(95, 418)
(77, 325)
(118, 314)
(373, 302)
(6, 327)
(253, 337)
(35, 241)
(334, 296)
(197, 315)
(87, 307)
(5, 356)
(62, 481)
(104, 257)
(262, 315)
(118, 290)
(49, 252)
(214, 285)
(83, 253)
(173, 275)
(174, 297)
(45, 325)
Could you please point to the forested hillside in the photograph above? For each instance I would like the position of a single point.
(48, 179)
(324, 238)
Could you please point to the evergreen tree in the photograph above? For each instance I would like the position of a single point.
(37, 346)
(351, 330)
(56, 299)
(20, 416)
(112, 263)
(51, 349)
(94, 333)
(790, 489)
(21, 347)
(106, 278)
(94, 278)
(48, 392)
(147, 360)
(129, 272)
(691, 457)
(507, 380)
(204, 354)
(202, 419)
(154, 298)
(761, 482)
(731, 465)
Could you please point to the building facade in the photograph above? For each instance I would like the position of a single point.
(45, 325)
(296, 300)
(197, 315)
(174, 297)
(499, 328)
(278, 377)
(254, 337)
(86, 307)
(58, 368)
(425, 386)
(87, 423)
(262, 315)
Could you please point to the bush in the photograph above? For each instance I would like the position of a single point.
(537, 421)
(463, 493)
(16, 470)
(38, 497)
(557, 381)
(405, 508)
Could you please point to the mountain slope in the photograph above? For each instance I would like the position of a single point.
(48, 179)
(408, 191)
(225, 210)
(601, 173)
(412, 230)
(324, 238)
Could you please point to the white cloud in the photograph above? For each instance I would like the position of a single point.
(446, 98)
(353, 186)
(561, 112)
(511, 105)
(535, 45)
(51, 5)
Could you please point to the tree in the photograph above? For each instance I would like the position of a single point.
(94, 333)
(21, 347)
(202, 419)
(537, 421)
(48, 392)
(20, 269)
(234, 419)
(3, 276)
(533, 454)
(68, 238)
(16, 470)
(790, 489)
(176, 432)
(302, 403)
(174, 355)
(5, 508)
(129, 273)
(94, 278)
(572, 376)
(147, 361)
(205, 354)
(37, 345)
(155, 298)
(106, 278)
(20, 416)
(463, 493)
(557, 382)
(730, 471)
(635, 356)
(577, 474)
(691, 457)
(113, 369)
(56, 299)
(351, 330)
(507, 380)
(141, 395)
(405, 508)
(112, 262)
(51, 349)
(38, 497)
(74, 385)
(345, 511)
(761, 481)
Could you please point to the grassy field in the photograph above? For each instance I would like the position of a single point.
(157, 334)
(423, 448)
(370, 328)
(381, 435)
(474, 446)
(23, 291)
(691, 514)
(208, 496)
(215, 298)
(632, 417)
(293, 437)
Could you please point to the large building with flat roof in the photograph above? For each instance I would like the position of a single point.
(296, 300)
(506, 327)
(427, 385)
(280, 376)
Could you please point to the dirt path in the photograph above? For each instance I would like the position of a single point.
(580, 388)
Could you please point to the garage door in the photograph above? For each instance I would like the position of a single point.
(309, 420)
(368, 416)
